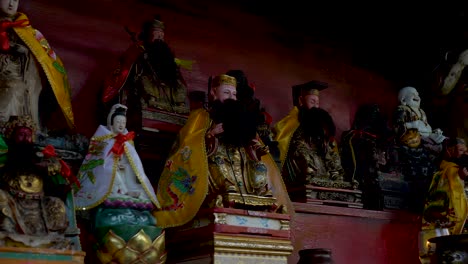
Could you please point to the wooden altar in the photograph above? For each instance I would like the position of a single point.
(225, 235)
(356, 235)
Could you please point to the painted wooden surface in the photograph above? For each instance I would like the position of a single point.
(356, 235)
(13, 255)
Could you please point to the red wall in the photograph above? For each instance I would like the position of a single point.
(356, 236)
(89, 35)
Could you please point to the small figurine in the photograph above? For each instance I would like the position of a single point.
(115, 186)
(218, 161)
(30, 216)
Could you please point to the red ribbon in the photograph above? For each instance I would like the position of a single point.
(362, 132)
(65, 171)
(4, 25)
(120, 139)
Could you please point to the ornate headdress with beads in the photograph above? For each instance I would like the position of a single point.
(19, 121)
(223, 79)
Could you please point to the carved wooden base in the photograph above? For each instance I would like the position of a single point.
(12, 255)
(327, 196)
(225, 235)
(395, 200)
(157, 120)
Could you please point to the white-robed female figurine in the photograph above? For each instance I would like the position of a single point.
(112, 173)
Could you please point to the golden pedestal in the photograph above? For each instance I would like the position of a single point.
(226, 235)
(14, 255)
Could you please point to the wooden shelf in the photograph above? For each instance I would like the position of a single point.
(355, 212)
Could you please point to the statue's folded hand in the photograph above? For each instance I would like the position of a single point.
(437, 137)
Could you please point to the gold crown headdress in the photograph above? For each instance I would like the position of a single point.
(19, 121)
(223, 79)
(156, 22)
(312, 87)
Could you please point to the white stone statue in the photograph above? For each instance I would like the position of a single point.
(455, 73)
(409, 117)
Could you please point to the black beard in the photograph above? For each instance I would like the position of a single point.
(162, 61)
(369, 118)
(317, 123)
(461, 161)
(21, 157)
(239, 124)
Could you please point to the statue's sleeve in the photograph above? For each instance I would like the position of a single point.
(298, 165)
(399, 120)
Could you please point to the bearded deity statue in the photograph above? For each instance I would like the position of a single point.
(446, 207)
(310, 156)
(218, 161)
(117, 196)
(148, 79)
(36, 209)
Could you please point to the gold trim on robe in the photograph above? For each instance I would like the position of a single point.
(183, 185)
(51, 64)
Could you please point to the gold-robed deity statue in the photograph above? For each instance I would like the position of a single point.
(446, 206)
(35, 211)
(219, 161)
(308, 150)
(33, 79)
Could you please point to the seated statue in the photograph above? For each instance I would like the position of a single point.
(33, 212)
(33, 80)
(246, 95)
(148, 79)
(363, 152)
(411, 124)
(417, 145)
(218, 161)
(309, 152)
(116, 187)
(446, 205)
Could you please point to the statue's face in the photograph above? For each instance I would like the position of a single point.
(459, 150)
(9, 7)
(23, 135)
(223, 92)
(119, 123)
(30, 183)
(156, 34)
(411, 98)
(309, 101)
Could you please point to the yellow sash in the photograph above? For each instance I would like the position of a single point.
(183, 185)
(184, 181)
(446, 200)
(284, 129)
(51, 64)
